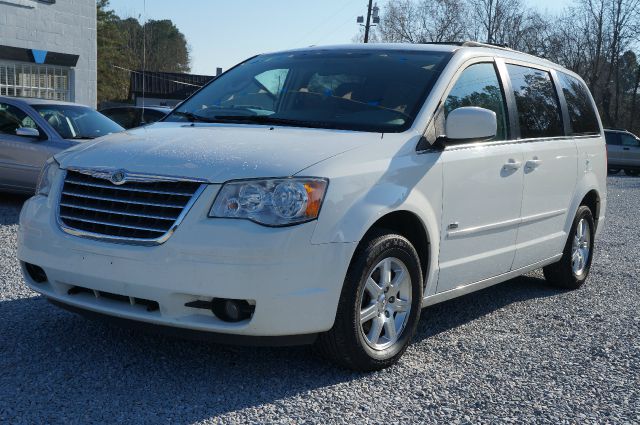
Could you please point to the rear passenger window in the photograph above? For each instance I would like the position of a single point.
(629, 140)
(537, 102)
(478, 85)
(582, 116)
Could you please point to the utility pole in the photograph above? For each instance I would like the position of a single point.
(372, 12)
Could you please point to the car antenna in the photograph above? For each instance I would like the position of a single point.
(144, 52)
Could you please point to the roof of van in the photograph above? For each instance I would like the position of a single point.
(496, 50)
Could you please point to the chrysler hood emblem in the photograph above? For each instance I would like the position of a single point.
(118, 177)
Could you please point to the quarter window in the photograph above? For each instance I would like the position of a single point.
(478, 85)
(273, 80)
(537, 102)
(582, 115)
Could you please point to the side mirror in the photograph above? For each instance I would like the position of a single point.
(470, 124)
(27, 132)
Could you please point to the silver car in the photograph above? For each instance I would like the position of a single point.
(32, 130)
(623, 150)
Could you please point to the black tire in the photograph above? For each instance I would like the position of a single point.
(613, 170)
(632, 173)
(345, 343)
(561, 274)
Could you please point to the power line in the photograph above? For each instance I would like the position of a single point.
(147, 75)
(325, 21)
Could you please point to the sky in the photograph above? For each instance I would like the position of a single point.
(221, 33)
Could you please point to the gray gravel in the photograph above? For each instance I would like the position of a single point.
(517, 352)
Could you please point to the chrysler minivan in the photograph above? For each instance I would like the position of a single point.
(325, 195)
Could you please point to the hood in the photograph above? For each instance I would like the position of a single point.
(214, 152)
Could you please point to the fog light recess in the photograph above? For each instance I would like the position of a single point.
(230, 310)
(36, 273)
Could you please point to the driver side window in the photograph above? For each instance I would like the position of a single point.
(478, 85)
(13, 118)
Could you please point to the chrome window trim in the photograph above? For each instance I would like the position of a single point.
(123, 240)
(507, 142)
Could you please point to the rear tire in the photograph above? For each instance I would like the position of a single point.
(613, 170)
(632, 173)
(573, 268)
(377, 315)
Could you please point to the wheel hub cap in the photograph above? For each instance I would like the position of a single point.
(581, 248)
(385, 303)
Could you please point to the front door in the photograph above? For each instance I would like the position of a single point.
(21, 157)
(482, 192)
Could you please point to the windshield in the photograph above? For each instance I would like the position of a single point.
(364, 90)
(77, 122)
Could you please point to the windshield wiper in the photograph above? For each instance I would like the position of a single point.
(267, 119)
(194, 117)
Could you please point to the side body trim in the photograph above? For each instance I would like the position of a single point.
(467, 289)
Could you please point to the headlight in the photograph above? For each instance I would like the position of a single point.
(47, 175)
(272, 202)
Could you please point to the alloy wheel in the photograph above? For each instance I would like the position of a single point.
(581, 248)
(385, 303)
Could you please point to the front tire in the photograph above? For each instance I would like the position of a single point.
(632, 173)
(379, 307)
(573, 268)
(613, 170)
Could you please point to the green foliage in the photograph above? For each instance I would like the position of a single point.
(120, 45)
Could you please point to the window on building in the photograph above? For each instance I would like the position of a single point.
(582, 115)
(537, 102)
(478, 85)
(30, 80)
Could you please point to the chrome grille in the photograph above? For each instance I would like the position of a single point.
(145, 210)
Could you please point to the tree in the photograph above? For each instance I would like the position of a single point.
(164, 40)
(113, 83)
(423, 21)
(594, 38)
(121, 48)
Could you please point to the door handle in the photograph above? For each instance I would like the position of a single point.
(512, 165)
(532, 164)
(626, 149)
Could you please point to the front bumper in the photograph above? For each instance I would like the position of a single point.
(294, 284)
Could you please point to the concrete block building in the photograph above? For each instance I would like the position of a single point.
(48, 49)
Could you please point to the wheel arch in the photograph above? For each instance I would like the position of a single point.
(408, 224)
(591, 191)
(592, 200)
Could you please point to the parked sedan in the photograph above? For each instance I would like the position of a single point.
(135, 116)
(33, 130)
(623, 150)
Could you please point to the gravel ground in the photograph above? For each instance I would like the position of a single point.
(517, 352)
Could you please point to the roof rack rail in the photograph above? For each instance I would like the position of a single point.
(453, 43)
(492, 45)
(471, 43)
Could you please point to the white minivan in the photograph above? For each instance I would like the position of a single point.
(325, 195)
